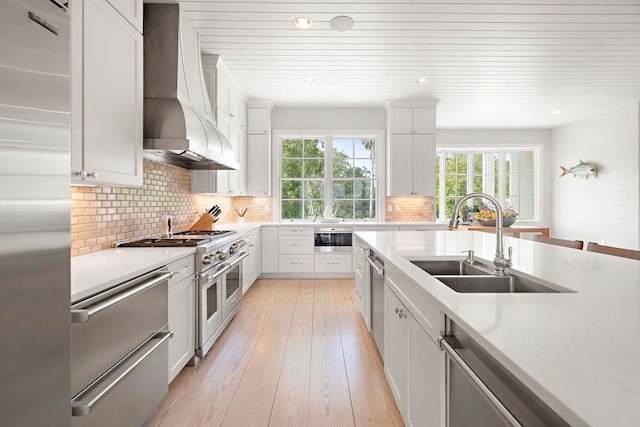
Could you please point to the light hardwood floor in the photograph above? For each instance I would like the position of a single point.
(296, 354)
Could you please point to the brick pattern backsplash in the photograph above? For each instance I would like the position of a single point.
(259, 209)
(410, 209)
(102, 216)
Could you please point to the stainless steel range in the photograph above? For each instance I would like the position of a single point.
(219, 276)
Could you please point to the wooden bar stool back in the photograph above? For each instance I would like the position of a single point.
(612, 250)
(576, 244)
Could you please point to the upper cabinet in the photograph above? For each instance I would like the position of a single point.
(107, 92)
(258, 154)
(411, 148)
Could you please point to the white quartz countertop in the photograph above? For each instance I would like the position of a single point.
(355, 224)
(579, 351)
(93, 273)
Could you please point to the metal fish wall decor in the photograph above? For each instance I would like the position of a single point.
(582, 169)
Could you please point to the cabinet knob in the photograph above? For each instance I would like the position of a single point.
(84, 174)
(93, 175)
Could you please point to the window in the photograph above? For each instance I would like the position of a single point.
(508, 175)
(334, 171)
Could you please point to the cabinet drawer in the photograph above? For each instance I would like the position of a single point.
(296, 231)
(296, 264)
(181, 269)
(333, 263)
(296, 245)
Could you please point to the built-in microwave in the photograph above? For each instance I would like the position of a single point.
(331, 239)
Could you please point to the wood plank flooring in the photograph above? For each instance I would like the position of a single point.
(296, 354)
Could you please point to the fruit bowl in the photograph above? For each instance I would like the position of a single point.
(506, 222)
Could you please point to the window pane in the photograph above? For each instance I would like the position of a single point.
(363, 168)
(343, 208)
(342, 147)
(291, 189)
(292, 168)
(477, 184)
(342, 189)
(461, 164)
(314, 189)
(314, 148)
(365, 209)
(526, 208)
(291, 148)
(313, 208)
(314, 168)
(291, 209)
(365, 189)
(342, 167)
(365, 148)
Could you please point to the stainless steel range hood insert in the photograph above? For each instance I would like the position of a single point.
(178, 119)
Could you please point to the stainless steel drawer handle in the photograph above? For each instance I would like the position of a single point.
(379, 270)
(96, 391)
(175, 273)
(83, 315)
(478, 383)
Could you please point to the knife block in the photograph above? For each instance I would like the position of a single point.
(205, 222)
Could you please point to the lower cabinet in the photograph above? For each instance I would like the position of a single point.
(269, 249)
(182, 320)
(333, 263)
(361, 268)
(252, 265)
(414, 366)
(296, 264)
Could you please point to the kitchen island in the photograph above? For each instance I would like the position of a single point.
(578, 350)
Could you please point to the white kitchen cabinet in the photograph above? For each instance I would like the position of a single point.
(362, 280)
(295, 264)
(269, 249)
(333, 263)
(411, 148)
(182, 314)
(107, 94)
(295, 244)
(222, 96)
(408, 120)
(425, 372)
(258, 155)
(395, 346)
(414, 363)
(251, 266)
(411, 170)
(131, 10)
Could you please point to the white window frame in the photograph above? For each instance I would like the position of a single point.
(328, 136)
(501, 149)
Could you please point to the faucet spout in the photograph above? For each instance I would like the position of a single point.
(500, 262)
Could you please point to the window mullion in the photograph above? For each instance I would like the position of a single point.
(328, 172)
(501, 178)
(443, 179)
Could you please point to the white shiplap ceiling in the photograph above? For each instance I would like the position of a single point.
(493, 63)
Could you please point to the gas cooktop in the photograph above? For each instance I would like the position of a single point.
(182, 239)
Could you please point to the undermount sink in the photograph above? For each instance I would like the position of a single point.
(451, 267)
(478, 278)
(492, 284)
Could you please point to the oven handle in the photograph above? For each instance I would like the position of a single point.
(241, 256)
(80, 407)
(84, 315)
(208, 278)
(473, 377)
(378, 269)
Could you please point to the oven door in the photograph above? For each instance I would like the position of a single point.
(232, 290)
(210, 286)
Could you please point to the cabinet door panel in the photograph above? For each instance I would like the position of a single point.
(425, 385)
(401, 120)
(112, 96)
(182, 301)
(270, 249)
(258, 165)
(131, 10)
(222, 97)
(234, 107)
(394, 347)
(400, 166)
(424, 120)
(424, 155)
(203, 181)
(258, 121)
(234, 176)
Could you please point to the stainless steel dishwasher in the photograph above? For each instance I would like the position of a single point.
(376, 292)
(482, 393)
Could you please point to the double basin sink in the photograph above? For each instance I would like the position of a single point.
(478, 278)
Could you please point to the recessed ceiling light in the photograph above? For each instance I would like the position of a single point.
(557, 112)
(341, 23)
(308, 79)
(302, 22)
(422, 80)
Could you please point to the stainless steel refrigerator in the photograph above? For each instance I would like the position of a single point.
(34, 213)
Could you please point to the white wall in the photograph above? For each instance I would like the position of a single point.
(602, 209)
(498, 138)
(330, 118)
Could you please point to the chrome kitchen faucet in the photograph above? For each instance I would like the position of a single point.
(500, 262)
